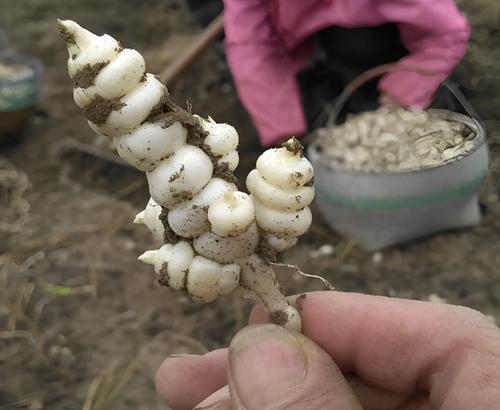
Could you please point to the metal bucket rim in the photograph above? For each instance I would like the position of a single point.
(25, 59)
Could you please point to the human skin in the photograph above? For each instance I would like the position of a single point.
(368, 352)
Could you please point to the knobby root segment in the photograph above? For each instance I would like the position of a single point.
(214, 250)
(68, 38)
(294, 146)
(167, 113)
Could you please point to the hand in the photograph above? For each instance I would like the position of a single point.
(361, 352)
(387, 101)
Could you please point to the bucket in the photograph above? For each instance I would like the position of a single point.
(20, 89)
(380, 209)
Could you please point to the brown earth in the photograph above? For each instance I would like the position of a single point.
(83, 324)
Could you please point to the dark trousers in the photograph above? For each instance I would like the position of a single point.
(342, 55)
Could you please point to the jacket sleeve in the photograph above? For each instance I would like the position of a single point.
(436, 35)
(264, 72)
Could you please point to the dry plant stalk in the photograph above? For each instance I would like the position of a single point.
(217, 239)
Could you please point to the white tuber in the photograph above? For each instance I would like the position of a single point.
(150, 144)
(231, 214)
(222, 139)
(280, 244)
(285, 167)
(231, 159)
(179, 268)
(180, 177)
(226, 249)
(190, 218)
(171, 261)
(215, 236)
(277, 197)
(87, 48)
(282, 224)
(150, 217)
(116, 79)
(134, 108)
(208, 279)
(282, 187)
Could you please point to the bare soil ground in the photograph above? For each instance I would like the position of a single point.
(83, 324)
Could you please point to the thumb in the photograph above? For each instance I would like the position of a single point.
(270, 367)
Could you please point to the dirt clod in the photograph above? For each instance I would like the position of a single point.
(163, 277)
(176, 175)
(69, 38)
(222, 171)
(182, 196)
(279, 317)
(99, 109)
(85, 77)
(169, 236)
(167, 113)
(294, 146)
(310, 182)
(162, 107)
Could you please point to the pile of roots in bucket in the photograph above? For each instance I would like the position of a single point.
(14, 71)
(394, 140)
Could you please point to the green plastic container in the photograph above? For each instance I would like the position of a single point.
(20, 90)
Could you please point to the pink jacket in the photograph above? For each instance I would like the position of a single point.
(269, 41)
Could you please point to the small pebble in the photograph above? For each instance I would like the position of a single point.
(377, 258)
(323, 250)
(492, 319)
(436, 298)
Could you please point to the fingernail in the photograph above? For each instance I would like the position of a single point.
(214, 406)
(215, 400)
(266, 362)
(259, 315)
(180, 355)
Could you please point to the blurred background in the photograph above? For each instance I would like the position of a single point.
(83, 324)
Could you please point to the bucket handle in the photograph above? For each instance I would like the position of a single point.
(377, 71)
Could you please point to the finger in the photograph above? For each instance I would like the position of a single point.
(258, 315)
(385, 99)
(373, 398)
(271, 368)
(393, 344)
(184, 381)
